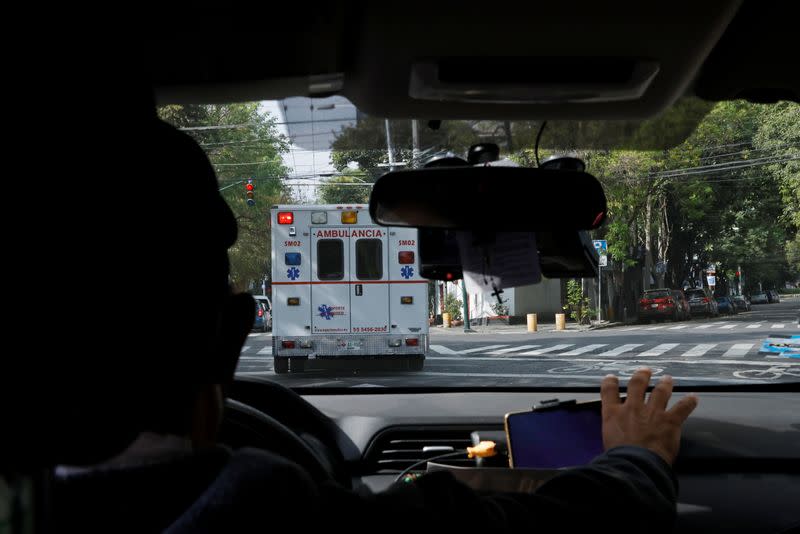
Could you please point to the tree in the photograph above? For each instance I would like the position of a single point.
(242, 143)
(335, 193)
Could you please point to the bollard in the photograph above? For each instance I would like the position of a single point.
(446, 320)
(561, 321)
(532, 323)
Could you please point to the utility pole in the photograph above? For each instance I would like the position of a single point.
(414, 142)
(465, 305)
(389, 146)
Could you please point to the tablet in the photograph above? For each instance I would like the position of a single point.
(551, 437)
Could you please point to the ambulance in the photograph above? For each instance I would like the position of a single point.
(342, 286)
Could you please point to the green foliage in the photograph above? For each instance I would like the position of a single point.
(577, 303)
(333, 193)
(452, 305)
(250, 148)
(500, 308)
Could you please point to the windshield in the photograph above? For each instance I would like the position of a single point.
(705, 199)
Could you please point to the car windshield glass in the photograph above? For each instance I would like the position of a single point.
(704, 199)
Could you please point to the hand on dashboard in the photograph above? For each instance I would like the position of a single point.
(640, 422)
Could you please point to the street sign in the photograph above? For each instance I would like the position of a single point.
(603, 261)
(712, 280)
(601, 246)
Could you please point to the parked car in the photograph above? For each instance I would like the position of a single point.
(263, 319)
(725, 305)
(759, 297)
(683, 305)
(658, 304)
(701, 302)
(741, 303)
(772, 296)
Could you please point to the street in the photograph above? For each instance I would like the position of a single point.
(700, 351)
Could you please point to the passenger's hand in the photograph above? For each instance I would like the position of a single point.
(644, 424)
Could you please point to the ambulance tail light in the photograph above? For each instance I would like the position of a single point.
(395, 342)
(405, 257)
(349, 217)
(293, 301)
(412, 342)
(406, 300)
(287, 344)
(285, 217)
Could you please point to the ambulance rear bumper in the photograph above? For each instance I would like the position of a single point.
(350, 345)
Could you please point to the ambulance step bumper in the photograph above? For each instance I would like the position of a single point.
(350, 345)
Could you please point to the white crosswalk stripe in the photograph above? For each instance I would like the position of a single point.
(583, 350)
(620, 350)
(655, 327)
(658, 350)
(678, 327)
(265, 350)
(778, 325)
(754, 325)
(631, 329)
(512, 349)
(245, 348)
(703, 326)
(728, 327)
(441, 349)
(699, 350)
(738, 350)
(545, 350)
(481, 349)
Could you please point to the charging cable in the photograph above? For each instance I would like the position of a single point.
(484, 449)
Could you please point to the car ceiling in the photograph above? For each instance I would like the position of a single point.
(564, 60)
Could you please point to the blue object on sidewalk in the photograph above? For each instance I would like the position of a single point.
(782, 345)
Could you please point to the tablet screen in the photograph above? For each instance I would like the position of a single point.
(558, 437)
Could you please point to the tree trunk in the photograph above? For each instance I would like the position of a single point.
(648, 253)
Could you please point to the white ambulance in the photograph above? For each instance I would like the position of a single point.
(343, 286)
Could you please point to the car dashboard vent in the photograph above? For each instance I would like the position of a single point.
(396, 449)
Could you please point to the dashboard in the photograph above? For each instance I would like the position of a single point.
(738, 469)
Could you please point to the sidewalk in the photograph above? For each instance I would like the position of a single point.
(523, 329)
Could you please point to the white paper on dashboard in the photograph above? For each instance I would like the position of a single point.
(513, 261)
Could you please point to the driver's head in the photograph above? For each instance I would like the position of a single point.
(147, 327)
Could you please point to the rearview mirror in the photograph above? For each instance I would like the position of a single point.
(489, 199)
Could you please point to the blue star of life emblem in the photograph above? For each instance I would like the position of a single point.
(326, 312)
(293, 273)
(407, 271)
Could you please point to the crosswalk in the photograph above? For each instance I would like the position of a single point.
(719, 326)
(604, 350)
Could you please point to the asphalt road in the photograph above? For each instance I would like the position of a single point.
(700, 351)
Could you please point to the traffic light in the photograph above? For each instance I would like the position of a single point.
(249, 192)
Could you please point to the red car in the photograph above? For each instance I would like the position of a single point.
(659, 304)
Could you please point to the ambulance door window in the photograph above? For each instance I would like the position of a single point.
(330, 259)
(369, 259)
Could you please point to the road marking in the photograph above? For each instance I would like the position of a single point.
(582, 350)
(621, 349)
(245, 348)
(544, 351)
(481, 349)
(658, 350)
(754, 325)
(265, 350)
(655, 327)
(643, 361)
(699, 350)
(704, 326)
(738, 350)
(678, 327)
(728, 327)
(778, 325)
(630, 329)
(577, 376)
(513, 349)
(441, 349)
